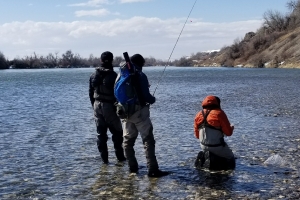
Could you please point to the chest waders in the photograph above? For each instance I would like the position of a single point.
(210, 136)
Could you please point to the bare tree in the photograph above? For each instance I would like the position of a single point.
(150, 61)
(3, 61)
(275, 21)
(117, 60)
(292, 5)
(67, 58)
(236, 49)
(294, 18)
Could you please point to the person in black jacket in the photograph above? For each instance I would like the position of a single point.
(139, 122)
(101, 93)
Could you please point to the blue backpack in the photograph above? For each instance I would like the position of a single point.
(125, 92)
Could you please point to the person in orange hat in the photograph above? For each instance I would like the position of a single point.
(210, 126)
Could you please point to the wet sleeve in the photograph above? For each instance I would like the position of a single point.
(91, 92)
(145, 90)
(197, 121)
(225, 124)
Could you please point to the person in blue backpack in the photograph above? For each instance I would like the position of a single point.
(139, 121)
(101, 93)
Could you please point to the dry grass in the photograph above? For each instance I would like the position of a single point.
(280, 50)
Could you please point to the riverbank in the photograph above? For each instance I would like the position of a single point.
(283, 65)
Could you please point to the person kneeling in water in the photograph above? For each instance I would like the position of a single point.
(210, 126)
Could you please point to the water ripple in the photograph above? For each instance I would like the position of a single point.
(48, 137)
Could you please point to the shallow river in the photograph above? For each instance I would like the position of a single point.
(48, 136)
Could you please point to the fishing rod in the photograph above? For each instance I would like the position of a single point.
(174, 47)
(249, 117)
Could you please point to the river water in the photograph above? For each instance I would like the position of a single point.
(48, 136)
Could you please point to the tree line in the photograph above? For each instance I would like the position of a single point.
(72, 60)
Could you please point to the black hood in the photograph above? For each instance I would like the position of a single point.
(107, 66)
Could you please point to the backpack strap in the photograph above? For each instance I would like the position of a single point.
(205, 123)
(205, 116)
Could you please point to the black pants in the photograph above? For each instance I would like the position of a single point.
(107, 119)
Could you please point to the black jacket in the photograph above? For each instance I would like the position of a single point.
(101, 84)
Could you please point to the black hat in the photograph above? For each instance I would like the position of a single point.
(138, 60)
(107, 57)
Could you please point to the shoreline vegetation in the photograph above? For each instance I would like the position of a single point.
(276, 44)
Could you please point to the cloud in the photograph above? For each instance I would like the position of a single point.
(91, 3)
(148, 36)
(99, 12)
(133, 1)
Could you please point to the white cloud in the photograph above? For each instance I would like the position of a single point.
(148, 36)
(99, 12)
(92, 3)
(133, 1)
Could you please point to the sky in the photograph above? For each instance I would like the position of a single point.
(162, 29)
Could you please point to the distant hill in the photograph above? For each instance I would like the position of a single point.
(275, 44)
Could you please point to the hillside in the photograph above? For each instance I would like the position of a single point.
(274, 45)
(284, 52)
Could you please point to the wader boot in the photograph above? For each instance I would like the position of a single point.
(102, 148)
(199, 162)
(104, 157)
(120, 155)
(130, 155)
(117, 138)
(215, 162)
(149, 146)
(206, 159)
(231, 163)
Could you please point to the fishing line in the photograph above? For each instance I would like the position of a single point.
(256, 115)
(174, 47)
(249, 118)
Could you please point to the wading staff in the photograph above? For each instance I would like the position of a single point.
(174, 47)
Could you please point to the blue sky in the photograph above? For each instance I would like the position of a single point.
(148, 27)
